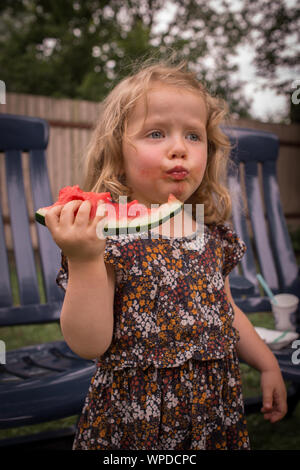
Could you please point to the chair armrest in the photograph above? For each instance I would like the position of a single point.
(239, 286)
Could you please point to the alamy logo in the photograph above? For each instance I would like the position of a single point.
(2, 352)
(139, 219)
(296, 354)
(296, 93)
(2, 92)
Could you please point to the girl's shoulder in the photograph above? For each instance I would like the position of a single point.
(223, 231)
(232, 246)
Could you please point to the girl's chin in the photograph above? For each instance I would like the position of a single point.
(180, 194)
(158, 197)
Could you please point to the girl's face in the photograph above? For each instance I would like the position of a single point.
(167, 147)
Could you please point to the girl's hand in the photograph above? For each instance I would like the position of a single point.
(75, 235)
(274, 395)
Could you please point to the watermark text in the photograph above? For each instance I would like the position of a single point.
(2, 352)
(296, 354)
(296, 94)
(176, 220)
(151, 459)
(2, 92)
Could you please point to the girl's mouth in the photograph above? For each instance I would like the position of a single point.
(178, 175)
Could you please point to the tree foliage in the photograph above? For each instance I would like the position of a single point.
(81, 48)
(275, 34)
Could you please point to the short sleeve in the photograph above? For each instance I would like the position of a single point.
(233, 248)
(114, 254)
(63, 273)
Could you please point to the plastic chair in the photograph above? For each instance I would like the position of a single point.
(269, 247)
(46, 381)
(271, 241)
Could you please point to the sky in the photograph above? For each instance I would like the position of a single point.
(266, 104)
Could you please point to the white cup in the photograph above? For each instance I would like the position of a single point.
(284, 311)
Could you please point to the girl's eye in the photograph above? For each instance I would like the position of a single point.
(193, 137)
(155, 135)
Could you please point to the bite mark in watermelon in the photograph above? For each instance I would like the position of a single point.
(121, 218)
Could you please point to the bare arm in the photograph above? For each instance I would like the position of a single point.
(87, 312)
(252, 349)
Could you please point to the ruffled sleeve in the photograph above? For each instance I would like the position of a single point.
(63, 273)
(113, 254)
(233, 248)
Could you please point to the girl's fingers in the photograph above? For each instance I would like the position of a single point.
(100, 220)
(83, 215)
(74, 212)
(274, 408)
(101, 209)
(52, 216)
(274, 416)
(67, 215)
(267, 399)
(101, 213)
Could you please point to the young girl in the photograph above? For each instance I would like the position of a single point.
(156, 312)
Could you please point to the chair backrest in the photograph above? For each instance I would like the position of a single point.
(272, 248)
(25, 134)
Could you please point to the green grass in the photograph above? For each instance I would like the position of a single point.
(283, 435)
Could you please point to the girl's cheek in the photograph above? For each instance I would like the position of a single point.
(201, 167)
(148, 172)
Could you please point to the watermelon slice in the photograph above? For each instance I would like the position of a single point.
(121, 218)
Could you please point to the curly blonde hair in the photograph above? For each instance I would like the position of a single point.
(103, 165)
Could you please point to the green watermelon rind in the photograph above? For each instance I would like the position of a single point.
(138, 226)
(40, 216)
(135, 225)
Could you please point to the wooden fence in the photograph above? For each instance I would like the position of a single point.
(71, 123)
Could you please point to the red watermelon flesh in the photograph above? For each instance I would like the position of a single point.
(73, 193)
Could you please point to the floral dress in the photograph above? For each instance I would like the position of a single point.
(170, 379)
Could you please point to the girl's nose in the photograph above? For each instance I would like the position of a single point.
(177, 149)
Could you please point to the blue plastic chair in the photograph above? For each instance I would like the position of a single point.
(46, 381)
(269, 247)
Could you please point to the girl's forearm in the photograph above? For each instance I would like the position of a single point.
(87, 312)
(251, 348)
